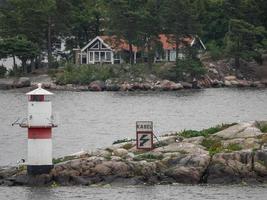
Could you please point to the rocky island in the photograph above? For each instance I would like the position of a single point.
(224, 154)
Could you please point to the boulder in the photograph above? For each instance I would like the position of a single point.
(260, 163)
(22, 82)
(182, 147)
(181, 174)
(97, 86)
(102, 169)
(195, 140)
(227, 83)
(243, 143)
(126, 87)
(186, 85)
(230, 78)
(170, 85)
(112, 87)
(187, 168)
(234, 83)
(232, 167)
(243, 83)
(7, 172)
(120, 152)
(6, 84)
(241, 130)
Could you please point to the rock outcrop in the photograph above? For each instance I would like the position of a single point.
(232, 154)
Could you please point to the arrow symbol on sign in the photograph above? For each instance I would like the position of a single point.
(143, 140)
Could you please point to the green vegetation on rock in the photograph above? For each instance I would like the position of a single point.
(123, 141)
(148, 156)
(264, 128)
(204, 132)
(213, 145)
(83, 74)
(233, 147)
(63, 159)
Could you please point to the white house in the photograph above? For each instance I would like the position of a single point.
(112, 50)
(104, 49)
(169, 47)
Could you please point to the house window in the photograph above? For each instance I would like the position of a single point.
(91, 57)
(117, 58)
(97, 56)
(84, 59)
(102, 56)
(108, 56)
(96, 46)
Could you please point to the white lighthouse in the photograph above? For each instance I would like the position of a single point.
(39, 124)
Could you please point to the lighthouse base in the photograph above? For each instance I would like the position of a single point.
(39, 169)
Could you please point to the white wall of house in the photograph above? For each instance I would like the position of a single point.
(8, 62)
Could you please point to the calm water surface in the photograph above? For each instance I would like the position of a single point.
(90, 120)
(177, 192)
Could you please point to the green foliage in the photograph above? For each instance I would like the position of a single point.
(233, 147)
(243, 40)
(215, 51)
(160, 144)
(180, 24)
(239, 26)
(204, 132)
(213, 146)
(123, 140)
(192, 67)
(62, 159)
(22, 168)
(148, 156)
(264, 128)
(84, 74)
(3, 71)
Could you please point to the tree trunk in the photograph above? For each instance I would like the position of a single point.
(131, 53)
(15, 68)
(24, 66)
(237, 62)
(32, 65)
(49, 43)
(149, 54)
(177, 50)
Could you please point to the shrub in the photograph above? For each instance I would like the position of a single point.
(264, 128)
(3, 71)
(192, 67)
(213, 146)
(215, 51)
(84, 74)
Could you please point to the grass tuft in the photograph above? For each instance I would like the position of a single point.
(148, 156)
(63, 159)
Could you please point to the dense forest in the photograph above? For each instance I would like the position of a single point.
(234, 28)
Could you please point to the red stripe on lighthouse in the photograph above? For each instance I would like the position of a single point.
(39, 133)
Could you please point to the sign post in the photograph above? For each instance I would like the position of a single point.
(144, 135)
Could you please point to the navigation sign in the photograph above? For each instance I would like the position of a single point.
(144, 135)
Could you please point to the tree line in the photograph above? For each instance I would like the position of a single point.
(28, 28)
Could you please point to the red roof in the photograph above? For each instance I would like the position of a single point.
(117, 44)
(169, 43)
